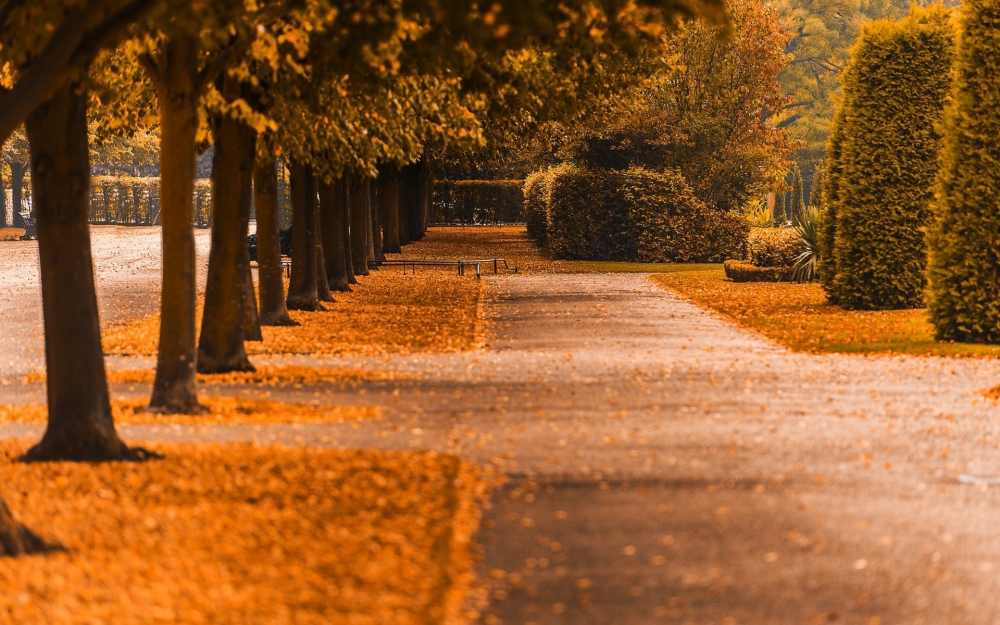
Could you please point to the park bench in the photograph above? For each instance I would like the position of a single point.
(461, 265)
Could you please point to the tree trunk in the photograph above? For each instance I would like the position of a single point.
(333, 239)
(345, 224)
(221, 346)
(3, 204)
(427, 195)
(322, 282)
(389, 193)
(80, 426)
(175, 388)
(270, 281)
(376, 220)
(251, 315)
(403, 205)
(302, 293)
(17, 171)
(360, 212)
(414, 201)
(371, 221)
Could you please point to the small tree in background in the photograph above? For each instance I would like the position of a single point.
(964, 256)
(797, 205)
(779, 209)
(895, 89)
(816, 189)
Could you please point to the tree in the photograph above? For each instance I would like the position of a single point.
(962, 271)
(797, 205)
(896, 84)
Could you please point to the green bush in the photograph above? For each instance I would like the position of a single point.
(739, 271)
(773, 247)
(669, 224)
(830, 197)
(636, 215)
(478, 201)
(797, 205)
(536, 210)
(895, 88)
(964, 268)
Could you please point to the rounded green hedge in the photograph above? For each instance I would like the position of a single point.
(536, 200)
(895, 89)
(964, 268)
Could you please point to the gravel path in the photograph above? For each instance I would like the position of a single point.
(666, 466)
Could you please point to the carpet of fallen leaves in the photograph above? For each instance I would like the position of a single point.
(266, 375)
(799, 317)
(221, 411)
(386, 313)
(241, 534)
(481, 242)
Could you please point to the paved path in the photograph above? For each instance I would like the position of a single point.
(666, 466)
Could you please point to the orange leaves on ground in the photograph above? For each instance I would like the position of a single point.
(798, 316)
(481, 242)
(222, 411)
(241, 534)
(387, 313)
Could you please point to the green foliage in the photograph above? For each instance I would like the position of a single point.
(478, 201)
(757, 213)
(536, 201)
(895, 88)
(830, 193)
(816, 190)
(636, 215)
(808, 229)
(964, 282)
(779, 217)
(773, 247)
(739, 271)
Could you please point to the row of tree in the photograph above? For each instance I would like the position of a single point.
(346, 91)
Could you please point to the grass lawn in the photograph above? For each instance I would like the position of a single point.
(799, 317)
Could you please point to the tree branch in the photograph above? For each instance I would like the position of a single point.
(221, 61)
(105, 32)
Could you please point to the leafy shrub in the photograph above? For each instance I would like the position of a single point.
(478, 201)
(964, 282)
(808, 230)
(637, 215)
(895, 88)
(757, 213)
(739, 271)
(536, 200)
(773, 247)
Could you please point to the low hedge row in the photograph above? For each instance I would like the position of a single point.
(740, 271)
(633, 215)
(774, 247)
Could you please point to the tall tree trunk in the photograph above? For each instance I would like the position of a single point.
(270, 281)
(302, 293)
(17, 171)
(414, 201)
(251, 315)
(175, 388)
(322, 282)
(370, 256)
(377, 220)
(330, 201)
(427, 195)
(389, 194)
(403, 205)
(360, 212)
(3, 204)
(80, 426)
(345, 221)
(221, 346)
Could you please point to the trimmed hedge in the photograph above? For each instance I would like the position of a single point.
(536, 201)
(739, 271)
(478, 201)
(636, 215)
(964, 281)
(830, 197)
(895, 88)
(774, 247)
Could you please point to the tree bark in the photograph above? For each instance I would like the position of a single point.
(251, 315)
(376, 220)
(360, 211)
(3, 204)
(322, 282)
(175, 389)
(17, 171)
(370, 225)
(403, 205)
(221, 346)
(270, 281)
(414, 201)
(345, 224)
(389, 193)
(330, 205)
(302, 294)
(80, 425)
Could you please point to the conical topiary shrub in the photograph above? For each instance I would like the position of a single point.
(964, 270)
(897, 83)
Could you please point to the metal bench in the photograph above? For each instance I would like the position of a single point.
(413, 263)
